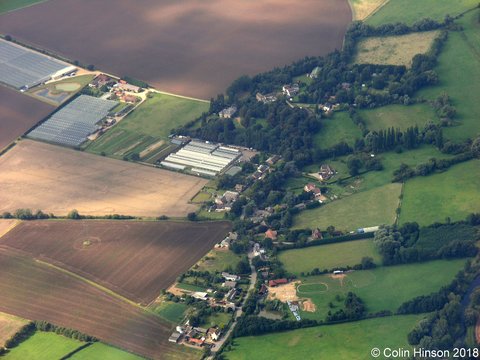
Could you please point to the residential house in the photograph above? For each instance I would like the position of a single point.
(273, 159)
(199, 295)
(214, 333)
(291, 90)
(230, 277)
(266, 99)
(102, 80)
(316, 234)
(124, 86)
(263, 290)
(271, 234)
(326, 172)
(227, 113)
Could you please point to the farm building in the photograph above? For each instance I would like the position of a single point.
(230, 277)
(314, 73)
(276, 282)
(71, 125)
(23, 68)
(202, 158)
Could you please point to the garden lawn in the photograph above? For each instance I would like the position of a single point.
(368, 208)
(43, 346)
(336, 129)
(383, 288)
(329, 256)
(410, 11)
(398, 116)
(454, 194)
(346, 341)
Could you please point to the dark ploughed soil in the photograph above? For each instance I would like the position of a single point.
(18, 113)
(133, 258)
(189, 47)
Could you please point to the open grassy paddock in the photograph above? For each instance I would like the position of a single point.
(328, 256)
(335, 129)
(151, 122)
(353, 340)
(368, 208)
(171, 311)
(454, 194)
(458, 66)
(410, 11)
(383, 288)
(9, 325)
(398, 116)
(362, 9)
(101, 351)
(217, 260)
(394, 50)
(43, 346)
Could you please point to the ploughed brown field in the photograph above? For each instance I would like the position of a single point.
(194, 48)
(54, 179)
(18, 113)
(35, 291)
(133, 258)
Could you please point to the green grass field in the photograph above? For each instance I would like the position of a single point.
(335, 129)
(217, 261)
(454, 193)
(398, 116)
(410, 11)
(149, 123)
(43, 346)
(459, 63)
(368, 208)
(10, 5)
(171, 311)
(328, 256)
(101, 351)
(347, 341)
(220, 319)
(383, 288)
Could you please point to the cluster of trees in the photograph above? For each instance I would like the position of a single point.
(70, 333)
(405, 172)
(397, 245)
(26, 214)
(24, 333)
(354, 309)
(249, 325)
(365, 264)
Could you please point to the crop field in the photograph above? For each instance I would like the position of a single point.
(410, 11)
(353, 340)
(9, 325)
(398, 116)
(383, 288)
(394, 50)
(154, 48)
(43, 346)
(338, 128)
(101, 351)
(454, 194)
(458, 64)
(328, 256)
(368, 208)
(135, 259)
(150, 123)
(19, 114)
(56, 180)
(10, 5)
(362, 9)
(32, 290)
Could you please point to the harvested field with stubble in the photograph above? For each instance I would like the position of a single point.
(18, 113)
(9, 326)
(56, 180)
(193, 48)
(133, 258)
(34, 291)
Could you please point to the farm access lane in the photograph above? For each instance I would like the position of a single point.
(238, 310)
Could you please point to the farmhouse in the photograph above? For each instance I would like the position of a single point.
(23, 68)
(123, 85)
(227, 113)
(276, 282)
(271, 234)
(102, 80)
(291, 90)
(326, 172)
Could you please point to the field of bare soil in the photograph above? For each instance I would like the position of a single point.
(193, 48)
(35, 291)
(18, 113)
(133, 258)
(56, 180)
